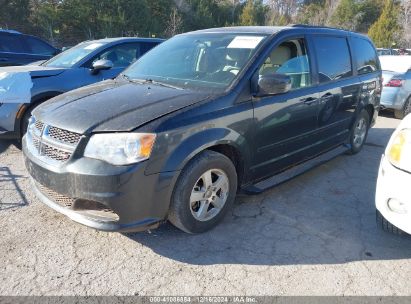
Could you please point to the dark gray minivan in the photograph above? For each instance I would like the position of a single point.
(199, 118)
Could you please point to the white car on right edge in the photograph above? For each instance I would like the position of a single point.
(393, 197)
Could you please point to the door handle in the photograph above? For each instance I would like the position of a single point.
(326, 97)
(309, 100)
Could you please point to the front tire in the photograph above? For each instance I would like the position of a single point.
(386, 225)
(204, 193)
(359, 132)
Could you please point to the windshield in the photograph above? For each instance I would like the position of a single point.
(69, 58)
(197, 61)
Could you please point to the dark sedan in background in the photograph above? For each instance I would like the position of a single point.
(22, 88)
(19, 49)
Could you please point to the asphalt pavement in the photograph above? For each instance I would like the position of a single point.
(313, 235)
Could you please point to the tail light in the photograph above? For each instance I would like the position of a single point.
(395, 83)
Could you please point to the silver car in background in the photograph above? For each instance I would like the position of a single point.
(382, 52)
(396, 93)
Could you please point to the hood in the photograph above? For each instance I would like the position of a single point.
(34, 70)
(112, 105)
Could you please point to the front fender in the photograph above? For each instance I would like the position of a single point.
(181, 152)
(35, 101)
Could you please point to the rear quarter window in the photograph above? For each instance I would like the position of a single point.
(365, 56)
(333, 58)
(11, 44)
(38, 47)
(146, 46)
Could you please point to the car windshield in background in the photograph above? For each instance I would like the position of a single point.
(197, 61)
(69, 58)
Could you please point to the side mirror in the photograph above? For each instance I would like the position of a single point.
(102, 64)
(266, 85)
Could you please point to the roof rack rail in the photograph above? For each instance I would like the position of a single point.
(315, 26)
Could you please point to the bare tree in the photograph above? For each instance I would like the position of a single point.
(282, 11)
(405, 21)
(175, 23)
(284, 7)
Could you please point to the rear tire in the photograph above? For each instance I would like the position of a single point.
(359, 132)
(386, 225)
(204, 192)
(400, 114)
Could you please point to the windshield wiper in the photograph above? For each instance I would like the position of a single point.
(162, 84)
(149, 80)
(134, 80)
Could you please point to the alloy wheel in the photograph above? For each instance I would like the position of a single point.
(209, 195)
(360, 132)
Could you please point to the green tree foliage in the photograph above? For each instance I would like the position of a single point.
(67, 22)
(385, 32)
(253, 13)
(201, 14)
(368, 13)
(312, 13)
(346, 15)
(14, 14)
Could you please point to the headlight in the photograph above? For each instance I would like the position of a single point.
(120, 148)
(399, 150)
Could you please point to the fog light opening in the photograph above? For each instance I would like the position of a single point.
(95, 209)
(397, 206)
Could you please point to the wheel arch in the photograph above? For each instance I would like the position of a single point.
(35, 101)
(370, 110)
(224, 141)
(233, 153)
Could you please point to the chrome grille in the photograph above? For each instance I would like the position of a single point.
(55, 153)
(52, 195)
(36, 143)
(63, 135)
(39, 125)
(50, 143)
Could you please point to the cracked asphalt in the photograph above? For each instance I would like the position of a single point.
(314, 235)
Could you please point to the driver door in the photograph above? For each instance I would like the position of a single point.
(285, 123)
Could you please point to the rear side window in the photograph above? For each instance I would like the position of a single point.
(333, 58)
(11, 44)
(366, 57)
(146, 46)
(39, 47)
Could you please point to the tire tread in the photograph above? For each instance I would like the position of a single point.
(174, 214)
(352, 150)
(386, 225)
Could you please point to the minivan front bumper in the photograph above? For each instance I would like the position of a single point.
(138, 201)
